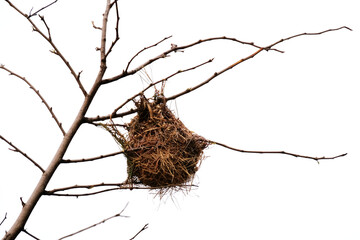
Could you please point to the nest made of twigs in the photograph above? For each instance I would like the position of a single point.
(161, 152)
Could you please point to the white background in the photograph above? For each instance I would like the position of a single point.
(303, 101)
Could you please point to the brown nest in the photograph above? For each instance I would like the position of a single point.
(161, 152)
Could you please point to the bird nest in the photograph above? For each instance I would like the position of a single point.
(161, 152)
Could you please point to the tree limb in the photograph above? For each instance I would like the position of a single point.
(55, 50)
(15, 149)
(143, 228)
(94, 225)
(3, 219)
(138, 53)
(35, 13)
(39, 95)
(155, 83)
(260, 49)
(116, 27)
(92, 159)
(276, 152)
(26, 211)
(31, 235)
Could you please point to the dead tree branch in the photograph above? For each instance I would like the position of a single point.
(35, 13)
(144, 49)
(31, 235)
(155, 83)
(111, 187)
(143, 228)
(277, 152)
(39, 95)
(15, 149)
(26, 211)
(116, 27)
(3, 219)
(92, 159)
(94, 225)
(269, 47)
(55, 50)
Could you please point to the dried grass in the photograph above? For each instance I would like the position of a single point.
(161, 152)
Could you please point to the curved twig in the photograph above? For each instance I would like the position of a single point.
(35, 13)
(157, 82)
(56, 51)
(276, 152)
(269, 47)
(142, 50)
(116, 27)
(15, 149)
(39, 95)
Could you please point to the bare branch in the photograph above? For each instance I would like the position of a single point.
(216, 74)
(138, 53)
(39, 95)
(107, 117)
(111, 187)
(15, 149)
(93, 158)
(94, 26)
(35, 13)
(307, 34)
(143, 228)
(260, 49)
(155, 83)
(116, 27)
(25, 231)
(55, 50)
(277, 152)
(94, 225)
(38, 191)
(174, 48)
(3, 219)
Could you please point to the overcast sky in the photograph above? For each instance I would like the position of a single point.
(303, 101)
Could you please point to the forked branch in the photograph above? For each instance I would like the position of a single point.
(48, 38)
(142, 229)
(260, 49)
(38, 94)
(96, 224)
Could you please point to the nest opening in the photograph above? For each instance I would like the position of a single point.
(161, 152)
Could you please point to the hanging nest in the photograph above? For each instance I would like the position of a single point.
(161, 152)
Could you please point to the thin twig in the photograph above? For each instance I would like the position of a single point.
(112, 187)
(93, 158)
(143, 228)
(94, 225)
(175, 49)
(25, 231)
(277, 152)
(107, 117)
(55, 50)
(39, 95)
(116, 27)
(33, 14)
(216, 74)
(269, 47)
(157, 82)
(15, 149)
(137, 54)
(308, 34)
(3, 219)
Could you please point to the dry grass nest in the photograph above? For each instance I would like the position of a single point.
(161, 152)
